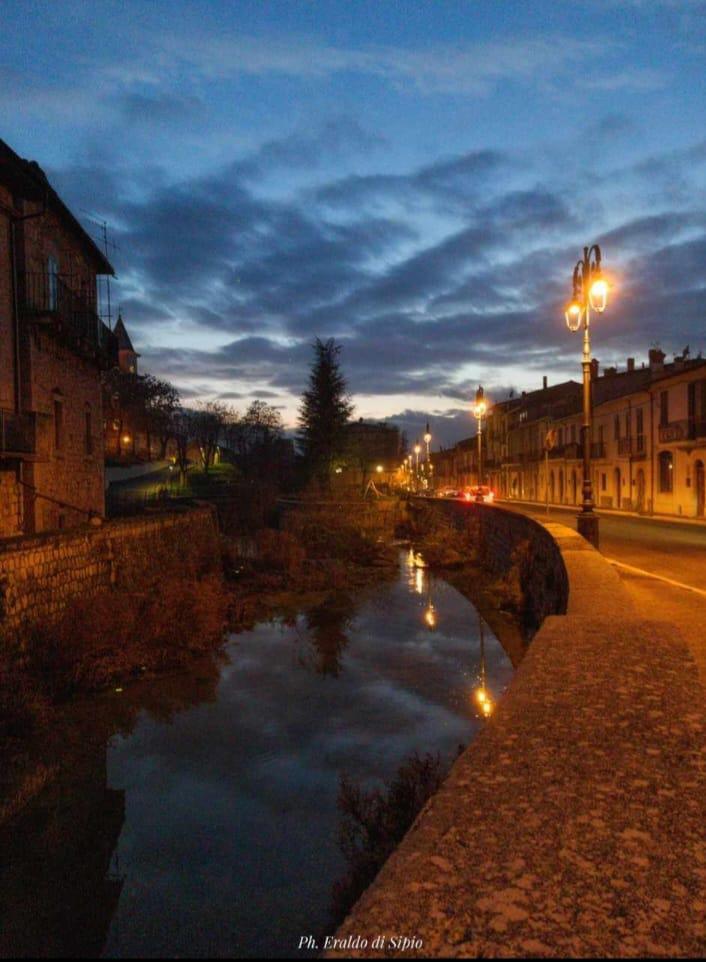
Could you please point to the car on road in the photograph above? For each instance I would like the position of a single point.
(449, 493)
(480, 492)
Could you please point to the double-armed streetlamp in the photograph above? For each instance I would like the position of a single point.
(479, 409)
(590, 292)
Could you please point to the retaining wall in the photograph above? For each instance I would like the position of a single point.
(573, 825)
(40, 575)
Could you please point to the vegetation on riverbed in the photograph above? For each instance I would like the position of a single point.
(374, 822)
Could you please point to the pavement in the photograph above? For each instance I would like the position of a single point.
(662, 564)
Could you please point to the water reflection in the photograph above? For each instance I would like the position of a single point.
(222, 783)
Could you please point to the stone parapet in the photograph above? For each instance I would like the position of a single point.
(573, 825)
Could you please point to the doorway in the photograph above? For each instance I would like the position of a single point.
(640, 491)
(618, 493)
(700, 483)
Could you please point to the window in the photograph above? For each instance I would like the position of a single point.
(58, 425)
(88, 437)
(52, 283)
(573, 434)
(640, 422)
(616, 427)
(663, 409)
(666, 472)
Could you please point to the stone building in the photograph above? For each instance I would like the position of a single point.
(53, 346)
(648, 446)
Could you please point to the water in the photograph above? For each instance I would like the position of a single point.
(199, 816)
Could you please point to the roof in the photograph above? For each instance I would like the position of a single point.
(26, 177)
(124, 342)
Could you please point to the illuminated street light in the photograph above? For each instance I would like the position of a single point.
(479, 409)
(379, 469)
(590, 292)
(417, 449)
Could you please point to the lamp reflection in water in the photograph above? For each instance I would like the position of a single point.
(430, 610)
(483, 697)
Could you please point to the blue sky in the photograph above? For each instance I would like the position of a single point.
(414, 179)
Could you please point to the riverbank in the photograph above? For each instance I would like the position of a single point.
(573, 826)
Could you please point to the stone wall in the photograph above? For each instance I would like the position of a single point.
(40, 575)
(377, 517)
(507, 541)
(572, 826)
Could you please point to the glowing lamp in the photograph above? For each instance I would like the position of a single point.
(598, 295)
(573, 315)
(417, 448)
(379, 469)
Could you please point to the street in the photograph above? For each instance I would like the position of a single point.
(665, 549)
(668, 549)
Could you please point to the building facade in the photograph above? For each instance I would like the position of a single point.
(648, 445)
(53, 347)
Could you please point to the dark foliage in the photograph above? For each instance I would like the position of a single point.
(373, 823)
(324, 412)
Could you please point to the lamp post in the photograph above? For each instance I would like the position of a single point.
(479, 409)
(417, 449)
(590, 292)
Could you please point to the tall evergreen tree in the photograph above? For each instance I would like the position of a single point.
(324, 412)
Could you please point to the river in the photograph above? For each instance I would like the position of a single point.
(197, 813)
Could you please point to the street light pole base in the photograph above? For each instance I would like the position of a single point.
(587, 527)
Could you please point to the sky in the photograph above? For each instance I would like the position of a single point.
(414, 179)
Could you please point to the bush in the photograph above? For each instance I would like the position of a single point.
(374, 822)
(117, 634)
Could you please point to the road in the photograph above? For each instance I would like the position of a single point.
(663, 550)
(669, 549)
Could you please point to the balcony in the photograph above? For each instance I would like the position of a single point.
(71, 317)
(570, 451)
(18, 436)
(632, 447)
(682, 432)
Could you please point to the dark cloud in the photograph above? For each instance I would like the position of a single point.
(462, 265)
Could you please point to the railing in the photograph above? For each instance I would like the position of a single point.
(17, 433)
(570, 451)
(632, 447)
(71, 314)
(686, 430)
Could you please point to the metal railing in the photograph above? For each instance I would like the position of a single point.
(18, 433)
(70, 312)
(688, 429)
(632, 447)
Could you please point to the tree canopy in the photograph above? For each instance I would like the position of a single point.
(324, 412)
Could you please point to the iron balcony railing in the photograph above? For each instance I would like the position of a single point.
(688, 429)
(632, 447)
(18, 433)
(71, 314)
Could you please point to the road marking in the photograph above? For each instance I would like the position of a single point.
(651, 574)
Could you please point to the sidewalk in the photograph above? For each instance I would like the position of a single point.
(612, 512)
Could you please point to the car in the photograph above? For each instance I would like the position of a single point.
(480, 492)
(449, 493)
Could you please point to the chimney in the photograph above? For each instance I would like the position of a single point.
(544, 382)
(594, 369)
(631, 364)
(656, 359)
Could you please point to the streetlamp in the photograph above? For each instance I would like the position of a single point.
(427, 439)
(590, 292)
(479, 409)
(417, 449)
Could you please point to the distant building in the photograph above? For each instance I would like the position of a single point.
(648, 447)
(53, 347)
(126, 435)
(127, 355)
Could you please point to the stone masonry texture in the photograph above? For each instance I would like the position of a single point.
(573, 825)
(41, 574)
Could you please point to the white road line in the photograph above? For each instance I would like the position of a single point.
(651, 574)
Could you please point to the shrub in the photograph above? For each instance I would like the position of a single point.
(374, 822)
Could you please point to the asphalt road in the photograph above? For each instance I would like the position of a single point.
(668, 549)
